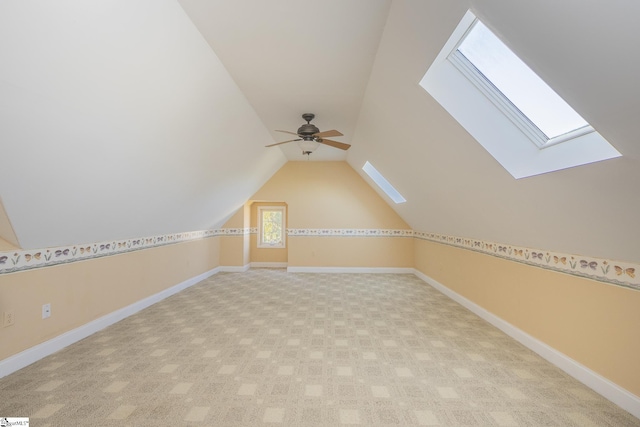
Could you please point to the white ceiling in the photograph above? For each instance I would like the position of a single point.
(296, 56)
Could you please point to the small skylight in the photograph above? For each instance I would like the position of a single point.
(525, 94)
(383, 183)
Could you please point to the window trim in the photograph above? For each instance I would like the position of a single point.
(505, 105)
(260, 243)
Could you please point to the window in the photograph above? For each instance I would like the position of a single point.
(271, 229)
(383, 183)
(527, 127)
(515, 88)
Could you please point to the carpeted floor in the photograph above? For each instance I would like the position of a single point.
(268, 347)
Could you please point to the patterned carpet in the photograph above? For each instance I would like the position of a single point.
(268, 347)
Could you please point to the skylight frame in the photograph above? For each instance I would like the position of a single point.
(503, 103)
(494, 130)
(383, 183)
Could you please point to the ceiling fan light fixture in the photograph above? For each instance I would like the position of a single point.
(308, 147)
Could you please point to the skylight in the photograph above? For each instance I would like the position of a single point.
(526, 126)
(518, 83)
(383, 183)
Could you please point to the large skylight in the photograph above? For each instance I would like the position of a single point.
(383, 183)
(507, 108)
(518, 83)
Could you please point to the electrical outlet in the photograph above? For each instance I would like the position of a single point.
(46, 311)
(8, 318)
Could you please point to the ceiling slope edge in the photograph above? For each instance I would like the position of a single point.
(6, 229)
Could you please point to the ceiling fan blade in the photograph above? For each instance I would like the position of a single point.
(336, 144)
(283, 142)
(327, 133)
(286, 131)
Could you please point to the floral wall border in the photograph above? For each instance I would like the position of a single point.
(21, 260)
(603, 270)
(348, 232)
(235, 231)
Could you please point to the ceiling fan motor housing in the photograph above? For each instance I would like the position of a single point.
(307, 130)
(309, 136)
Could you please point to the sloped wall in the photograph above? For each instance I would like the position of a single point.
(234, 247)
(328, 205)
(453, 186)
(118, 120)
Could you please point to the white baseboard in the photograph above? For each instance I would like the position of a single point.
(618, 395)
(234, 268)
(393, 270)
(35, 353)
(269, 265)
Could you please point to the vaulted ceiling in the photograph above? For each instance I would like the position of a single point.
(294, 57)
(125, 118)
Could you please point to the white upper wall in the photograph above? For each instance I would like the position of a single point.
(118, 120)
(452, 185)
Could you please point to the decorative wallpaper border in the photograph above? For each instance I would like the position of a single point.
(20, 260)
(618, 273)
(236, 231)
(349, 232)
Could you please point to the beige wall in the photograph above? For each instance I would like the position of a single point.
(325, 195)
(594, 323)
(328, 195)
(237, 220)
(83, 291)
(267, 254)
(246, 241)
(6, 246)
(234, 250)
(351, 251)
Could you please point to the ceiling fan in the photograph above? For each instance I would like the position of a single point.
(310, 136)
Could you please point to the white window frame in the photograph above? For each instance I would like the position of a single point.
(497, 131)
(260, 242)
(505, 105)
